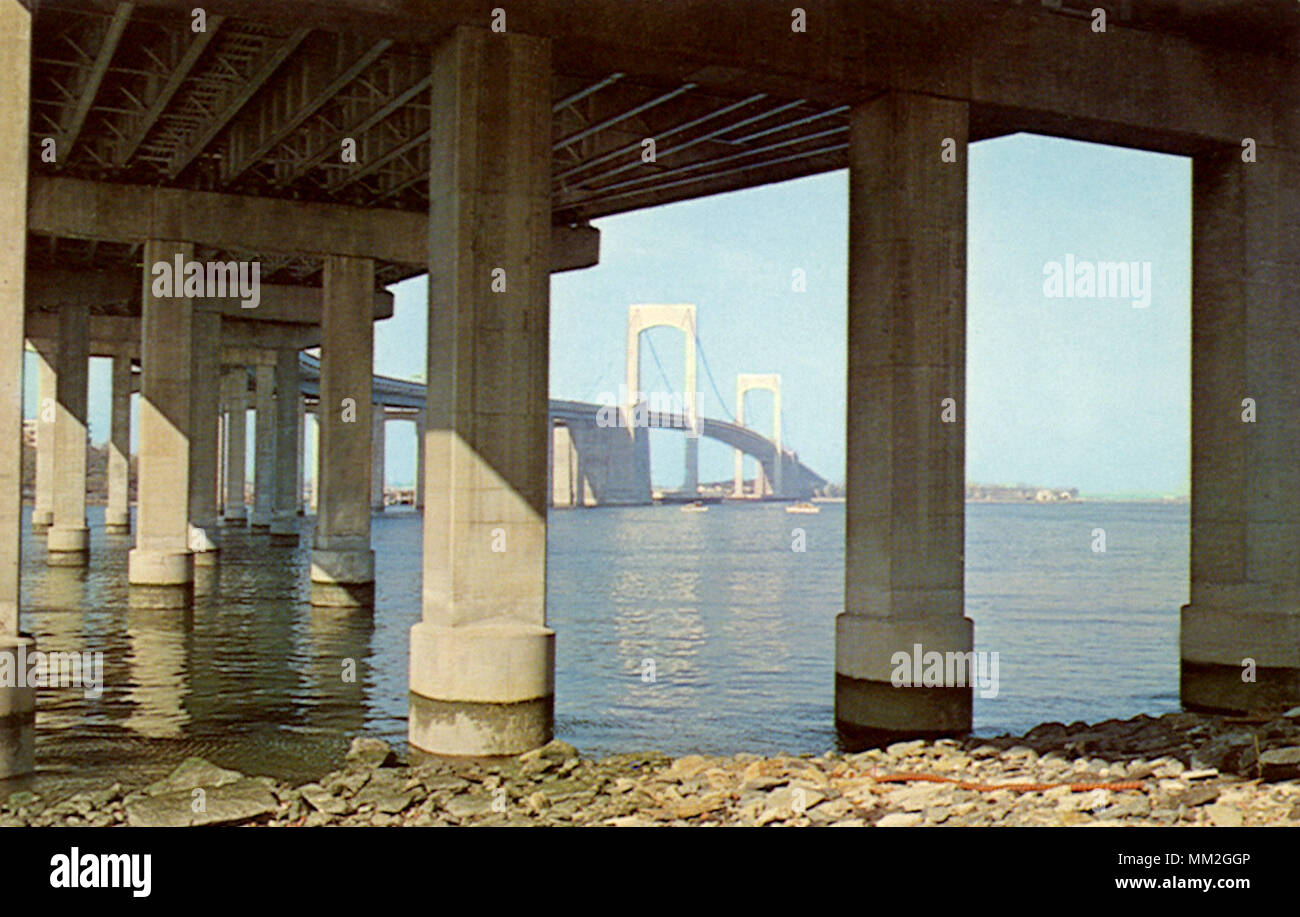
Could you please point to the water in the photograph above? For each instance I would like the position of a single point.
(739, 629)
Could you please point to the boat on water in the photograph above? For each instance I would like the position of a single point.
(802, 508)
(695, 506)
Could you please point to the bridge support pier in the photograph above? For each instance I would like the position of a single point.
(161, 565)
(17, 705)
(1240, 634)
(67, 543)
(236, 385)
(342, 563)
(482, 658)
(117, 515)
(47, 380)
(905, 511)
(263, 448)
(284, 523)
(420, 425)
(205, 391)
(377, 421)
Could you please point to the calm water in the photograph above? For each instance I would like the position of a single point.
(738, 627)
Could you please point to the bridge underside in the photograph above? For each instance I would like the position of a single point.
(342, 145)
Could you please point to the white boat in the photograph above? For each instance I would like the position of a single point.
(802, 508)
(697, 507)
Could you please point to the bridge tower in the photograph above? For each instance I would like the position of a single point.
(746, 382)
(682, 317)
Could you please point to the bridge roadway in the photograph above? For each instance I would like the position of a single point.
(800, 481)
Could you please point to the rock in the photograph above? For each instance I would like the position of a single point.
(469, 805)
(1223, 816)
(1196, 796)
(900, 820)
(903, 749)
(24, 800)
(323, 801)
(1293, 713)
(227, 804)
(553, 750)
(192, 773)
(688, 766)
(1200, 774)
(1280, 763)
(367, 752)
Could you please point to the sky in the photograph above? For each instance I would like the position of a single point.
(1078, 391)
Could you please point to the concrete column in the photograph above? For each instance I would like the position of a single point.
(117, 515)
(420, 425)
(161, 559)
(1244, 614)
(482, 658)
(284, 524)
(377, 421)
(301, 463)
(67, 544)
(47, 384)
(17, 705)
(205, 387)
(564, 466)
(906, 354)
(315, 461)
(342, 564)
(264, 449)
(236, 424)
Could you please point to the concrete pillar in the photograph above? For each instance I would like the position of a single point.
(161, 560)
(564, 492)
(67, 544)
(377, 420)
(482, 658)
(301, 463)
(236, 386)
(1244, 613)
(342, 563)
(205, 389)
(419, 459)
(17, 705)
(284, 523)
(906, 354)
(313, 456)
(264, 449)
(47, 383)
(117, 515)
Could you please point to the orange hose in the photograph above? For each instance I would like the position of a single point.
(1022, 787)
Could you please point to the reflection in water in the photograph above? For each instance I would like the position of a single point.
(740, 629)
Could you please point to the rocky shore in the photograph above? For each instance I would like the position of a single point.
(1177, 769)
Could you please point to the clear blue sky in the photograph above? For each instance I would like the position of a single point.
(1083, 392)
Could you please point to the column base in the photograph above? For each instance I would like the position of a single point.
(1217, 647)
(117, 523)
(42, 521)
(17, 712)
(869, 708)
(67, 546)
(342, 579)
(481, 689)
(284, 529)
(237, 516)
(159, 568)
